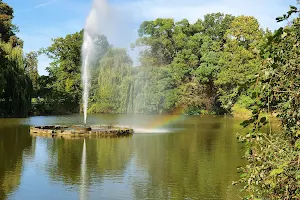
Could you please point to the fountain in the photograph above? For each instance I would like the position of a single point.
(85, 81)
(97, 20)
(87, 48)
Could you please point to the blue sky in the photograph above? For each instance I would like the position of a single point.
(41, 20)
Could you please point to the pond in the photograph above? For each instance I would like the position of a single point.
(170, 157)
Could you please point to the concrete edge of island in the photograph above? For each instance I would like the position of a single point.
(78, 131)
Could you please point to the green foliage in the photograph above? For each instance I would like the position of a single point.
(64, 70)
(240, 60)
(190, 52)
(158, 35)
(155, 91)
(200, 68)
(114, 83)
(217, 65)
(15, 84)
(31, 68)
(246, 101)
(121, 88)
(273, 169)
(61, 92)
(205, 67)
(215, 25)
(48, 100)
(16, 87)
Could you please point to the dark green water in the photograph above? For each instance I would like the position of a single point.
(190, 158)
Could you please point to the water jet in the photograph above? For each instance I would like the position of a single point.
(99, 13)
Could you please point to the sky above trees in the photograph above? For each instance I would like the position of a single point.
(41, 20)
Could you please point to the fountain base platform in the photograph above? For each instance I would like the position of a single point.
(77, 131)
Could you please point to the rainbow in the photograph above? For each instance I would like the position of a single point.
(167, 119)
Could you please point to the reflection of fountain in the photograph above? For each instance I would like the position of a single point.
(83, 186)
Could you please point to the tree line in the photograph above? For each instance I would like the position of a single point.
(200, 68)
(206, 67)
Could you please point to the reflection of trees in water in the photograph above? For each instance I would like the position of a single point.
(112, 155)
(14, 141)
(199, 162)
(105, 157)
(65, 160)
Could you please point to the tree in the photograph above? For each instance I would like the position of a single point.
(17, 88)
(7, 29)
(215, 25)
(154, 90)
(114, 83)
(156, 37)
(273, 157)
(65, 68)
(6, 26)
(31, 68)
(239, 60)
(186, 49)
(15, 85)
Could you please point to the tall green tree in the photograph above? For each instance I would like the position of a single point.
(17, 89)
(15, 84)
(65, 70)
(31, 68)
(240, 59)
(155, 90)
(214, 25)
(157, 37)
(114, 83)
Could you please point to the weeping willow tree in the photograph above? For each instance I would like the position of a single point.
(121, 88)
(15, 84)
(113, 93)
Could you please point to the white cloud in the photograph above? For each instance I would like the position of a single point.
(45, 4)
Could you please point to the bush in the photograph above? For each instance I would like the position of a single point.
(273, 171)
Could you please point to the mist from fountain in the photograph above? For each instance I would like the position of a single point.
(97, 21)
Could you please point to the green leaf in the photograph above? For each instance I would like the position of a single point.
(245, 123)
(293, 8)
(276, 172)
(279, 19)
(297, 144)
